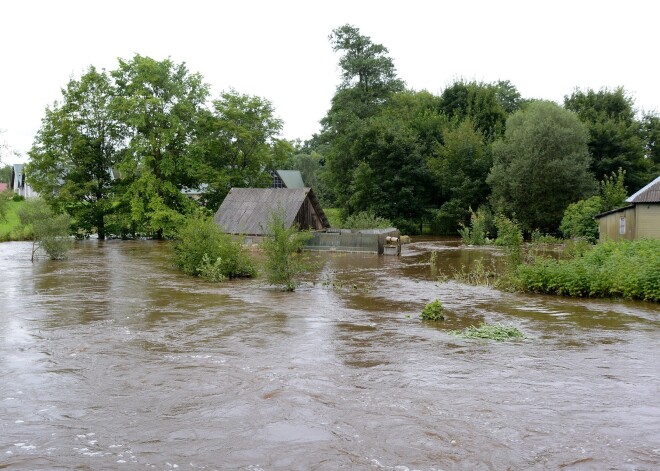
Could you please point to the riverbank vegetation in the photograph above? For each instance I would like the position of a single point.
(433, 311)
(121, 150)
(201, 249)
(623, 269)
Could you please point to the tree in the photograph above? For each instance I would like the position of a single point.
(5, 173)
(616, 138)
(159, 105)
(75, 150)
(50, 231)
(241, 145)
(460, 168)
(283, 246)
(651, 132)
(484, 104)
(368, 82)
(540, 166)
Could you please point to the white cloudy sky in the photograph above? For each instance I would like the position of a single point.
(279, 49)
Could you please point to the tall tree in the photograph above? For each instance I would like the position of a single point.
(75, 150)
(616, 137)
(159, 104)
(241, 145)
(368, 82)
(541, 166)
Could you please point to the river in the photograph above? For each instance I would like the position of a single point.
(112, 359)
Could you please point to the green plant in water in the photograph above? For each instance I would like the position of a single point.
(433, 311)
(211, 271)
(283, 248)
(497, 332)
(475, 233)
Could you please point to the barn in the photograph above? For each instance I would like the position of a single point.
(247, 211)
(639, 220)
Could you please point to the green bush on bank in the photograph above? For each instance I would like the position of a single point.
(629, 270)
(201, 249)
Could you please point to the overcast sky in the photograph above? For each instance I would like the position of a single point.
(279, 49)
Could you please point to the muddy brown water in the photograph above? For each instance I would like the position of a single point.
(114, 360)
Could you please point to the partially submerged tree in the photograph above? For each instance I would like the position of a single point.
(50, 231)
(75, 150)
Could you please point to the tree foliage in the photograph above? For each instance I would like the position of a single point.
(616, 138)
(541, 166)
(75, 151)
(50, 231)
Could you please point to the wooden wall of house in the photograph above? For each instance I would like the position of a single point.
(648, 221)
(609, 226)
(307, 217)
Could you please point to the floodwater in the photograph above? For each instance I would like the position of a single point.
(114, 360)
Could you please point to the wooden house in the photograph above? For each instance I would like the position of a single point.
(639, 220)
(247, 211)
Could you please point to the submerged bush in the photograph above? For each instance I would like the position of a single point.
(433, 311)
(476, 232)
(283, 247)
(366, 220)
(497, 332)
(201, 249)
(624, 269)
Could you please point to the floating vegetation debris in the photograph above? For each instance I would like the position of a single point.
(433, 311)
(497, 332)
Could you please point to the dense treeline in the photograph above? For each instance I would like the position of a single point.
(121, 148)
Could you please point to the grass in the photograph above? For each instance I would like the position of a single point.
(496, 332)
(11, 229)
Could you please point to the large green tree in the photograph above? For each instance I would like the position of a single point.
(616, 137)
(541, 166)
(75, 150)
(368, 81)
(240, 145)
(159, 103)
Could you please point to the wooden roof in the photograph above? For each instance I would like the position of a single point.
(649, 194)
(247, 210)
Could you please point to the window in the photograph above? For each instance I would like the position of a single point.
(622, 226)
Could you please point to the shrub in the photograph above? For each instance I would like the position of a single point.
(366, 220)
(49, 231)
(283, 247)
(624, 269)
(475, 233)
(578, 220)
(433, 311)
(201, 249)
(509, 233)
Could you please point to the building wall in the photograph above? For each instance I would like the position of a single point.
(610, 226)
(648, 221)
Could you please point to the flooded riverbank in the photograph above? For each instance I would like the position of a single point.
(114, 360)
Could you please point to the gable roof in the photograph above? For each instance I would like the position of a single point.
(649, 194)
(247, 210)
(291, 178)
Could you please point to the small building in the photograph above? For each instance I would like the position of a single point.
(18, 183)
(247, 211)
(639, 220)
(287, 179)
